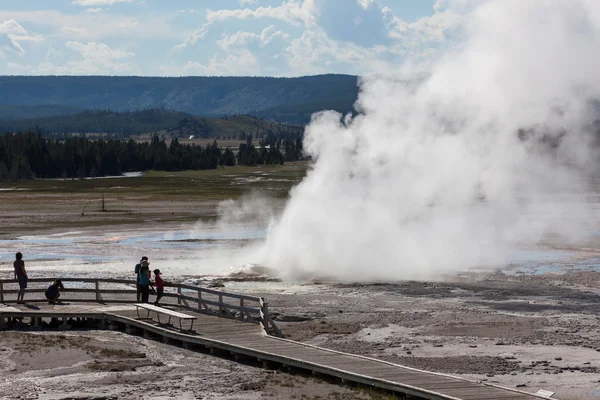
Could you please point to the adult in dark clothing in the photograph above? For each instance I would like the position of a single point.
(144, 280)
(21, 276)
(137, 274)
(53, 291)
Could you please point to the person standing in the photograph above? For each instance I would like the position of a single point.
(160, 286)
(21, 276)
(144, 280)
(137, 277)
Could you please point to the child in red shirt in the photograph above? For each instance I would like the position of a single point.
(160, 286)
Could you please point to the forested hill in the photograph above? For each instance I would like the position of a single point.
(175, 123)
(271, 98)
(97, 121)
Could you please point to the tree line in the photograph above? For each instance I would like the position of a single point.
(27, 156)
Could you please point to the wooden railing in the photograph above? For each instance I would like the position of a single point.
(225, 304)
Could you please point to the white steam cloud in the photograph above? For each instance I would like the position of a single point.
(454, 168)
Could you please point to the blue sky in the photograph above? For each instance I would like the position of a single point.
(217, 37)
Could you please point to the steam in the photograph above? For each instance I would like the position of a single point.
(456, 167)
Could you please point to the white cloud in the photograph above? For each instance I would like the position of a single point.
(428, 30)
(244, 63)
(243, 39)
(11, 33)
(96, 59)
(340, 39)
(12, 27)
(353, 38)
(193, 37)
(31, 37)
(92, 3)
(99, 51)
(296, 12)
(96, 26)
(314, 52)
(72, 30)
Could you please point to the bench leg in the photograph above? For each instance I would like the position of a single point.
(137, 309)
(158, 317)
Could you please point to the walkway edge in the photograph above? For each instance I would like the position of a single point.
(408, 368)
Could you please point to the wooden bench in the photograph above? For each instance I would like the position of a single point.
(159, 310)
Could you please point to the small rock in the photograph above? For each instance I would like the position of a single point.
(438, 345)
(558, 358)
(472, 346)
(521, 385)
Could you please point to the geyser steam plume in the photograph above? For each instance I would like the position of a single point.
(454, 167)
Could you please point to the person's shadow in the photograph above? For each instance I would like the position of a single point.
(32, 307)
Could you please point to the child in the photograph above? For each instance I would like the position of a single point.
(160, 286)
(53, 291)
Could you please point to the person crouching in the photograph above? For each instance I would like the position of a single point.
(53, 291)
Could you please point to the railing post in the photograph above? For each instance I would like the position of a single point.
(179, 295)
(199, 298)
(221, 308)
(1, 292)
(265, 314)
(241, 311)
(98, 295)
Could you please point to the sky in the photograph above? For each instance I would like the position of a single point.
(218, 37)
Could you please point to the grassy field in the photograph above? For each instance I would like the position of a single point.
(154, 198)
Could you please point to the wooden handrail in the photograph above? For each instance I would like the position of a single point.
(224, 307)
(132, 282)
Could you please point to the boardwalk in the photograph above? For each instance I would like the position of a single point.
(247, 338)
